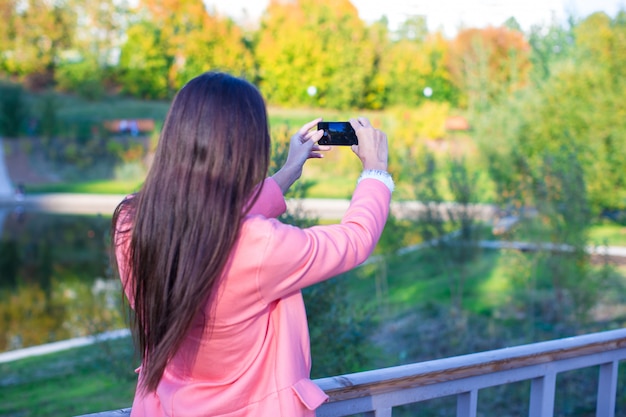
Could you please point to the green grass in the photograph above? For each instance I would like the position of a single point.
(608, 233)
(418, 277)
(601, 232)
(323, 186)
(73, 108)
(93, 187)
(74, 382)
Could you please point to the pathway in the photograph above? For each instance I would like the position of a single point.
(13, 355)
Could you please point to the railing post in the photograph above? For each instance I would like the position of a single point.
(382, 412)
(542, 396)
(467, 403)
(607, 389)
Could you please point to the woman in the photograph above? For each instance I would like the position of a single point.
(214, 279)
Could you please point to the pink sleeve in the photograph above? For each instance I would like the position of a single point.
(271, 202)
(295, 258)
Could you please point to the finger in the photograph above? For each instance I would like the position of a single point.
(298, 138)
(323, 148)
(364, 121)
(305, 137)
(304, 129)
(320, 149)
(312, 136)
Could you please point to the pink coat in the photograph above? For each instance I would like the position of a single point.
(254, 358)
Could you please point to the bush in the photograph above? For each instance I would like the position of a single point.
(84, 78)
(13, 109)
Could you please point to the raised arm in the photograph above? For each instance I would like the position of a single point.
(321, 252)
(293, 258)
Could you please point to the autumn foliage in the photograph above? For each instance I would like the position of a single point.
(305, 52)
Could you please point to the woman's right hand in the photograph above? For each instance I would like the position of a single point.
(303, 146)
(372, 149)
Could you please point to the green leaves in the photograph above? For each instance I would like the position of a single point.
(313, 53)
(13, 109)
(143, 65)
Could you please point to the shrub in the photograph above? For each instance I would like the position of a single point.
(13, 109)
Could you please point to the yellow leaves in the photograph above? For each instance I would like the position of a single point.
(195, 40)
(602, 41)
(31, 315)
(415, 125)
(313, 43)
(24, 316)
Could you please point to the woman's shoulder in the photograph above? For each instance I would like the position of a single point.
(261, 224)
(259, 231)
(123, 215)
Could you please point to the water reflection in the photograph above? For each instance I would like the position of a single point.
(55, 278)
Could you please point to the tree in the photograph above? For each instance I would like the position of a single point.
(13, 110)
(440, 79)
(549, 45)
(7, 32)
(577, 107)
(488, 64)
(99, 27)
(68, 42)
(405, 64)
(446, 220)
(36, 33)
(218, 44)
(314, 52)
(414, 67)
(374, 96)
(564, 287)
(144, 64)
(175, 40)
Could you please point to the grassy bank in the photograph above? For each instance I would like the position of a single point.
(88, 187)
(78, 381)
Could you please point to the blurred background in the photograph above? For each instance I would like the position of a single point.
(506, 122)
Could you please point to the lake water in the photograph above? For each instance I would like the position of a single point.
(56, 282)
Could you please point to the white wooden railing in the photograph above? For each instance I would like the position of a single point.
(375, 393)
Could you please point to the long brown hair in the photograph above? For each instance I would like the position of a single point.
(212, 154)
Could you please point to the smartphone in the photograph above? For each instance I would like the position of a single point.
(337, 134)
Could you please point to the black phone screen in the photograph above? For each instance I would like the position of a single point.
(337, 134)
